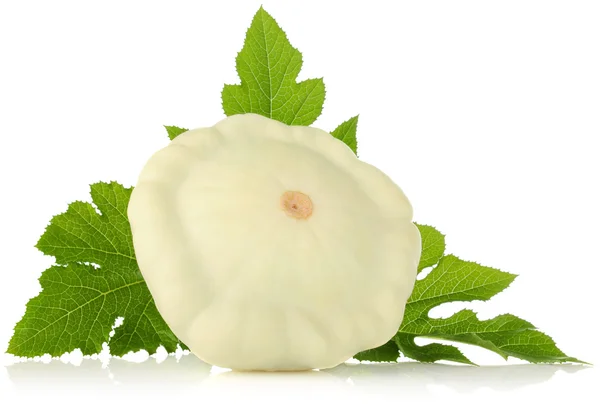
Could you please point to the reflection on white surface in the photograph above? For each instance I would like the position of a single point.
(188, 372)
(458, 378)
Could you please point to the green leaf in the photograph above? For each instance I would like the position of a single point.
(433, 246)
(96, 279)
(451, 280)
(385, 353)
(173, 131)
(428, 353)
(268, 66)
(454, 280)
(346, 132)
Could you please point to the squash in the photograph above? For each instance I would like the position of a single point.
(273, 247)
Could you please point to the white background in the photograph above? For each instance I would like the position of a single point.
(485, 113)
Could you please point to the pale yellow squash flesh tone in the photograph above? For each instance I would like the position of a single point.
(272, 247)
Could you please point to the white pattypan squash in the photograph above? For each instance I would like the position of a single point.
(272, 247)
